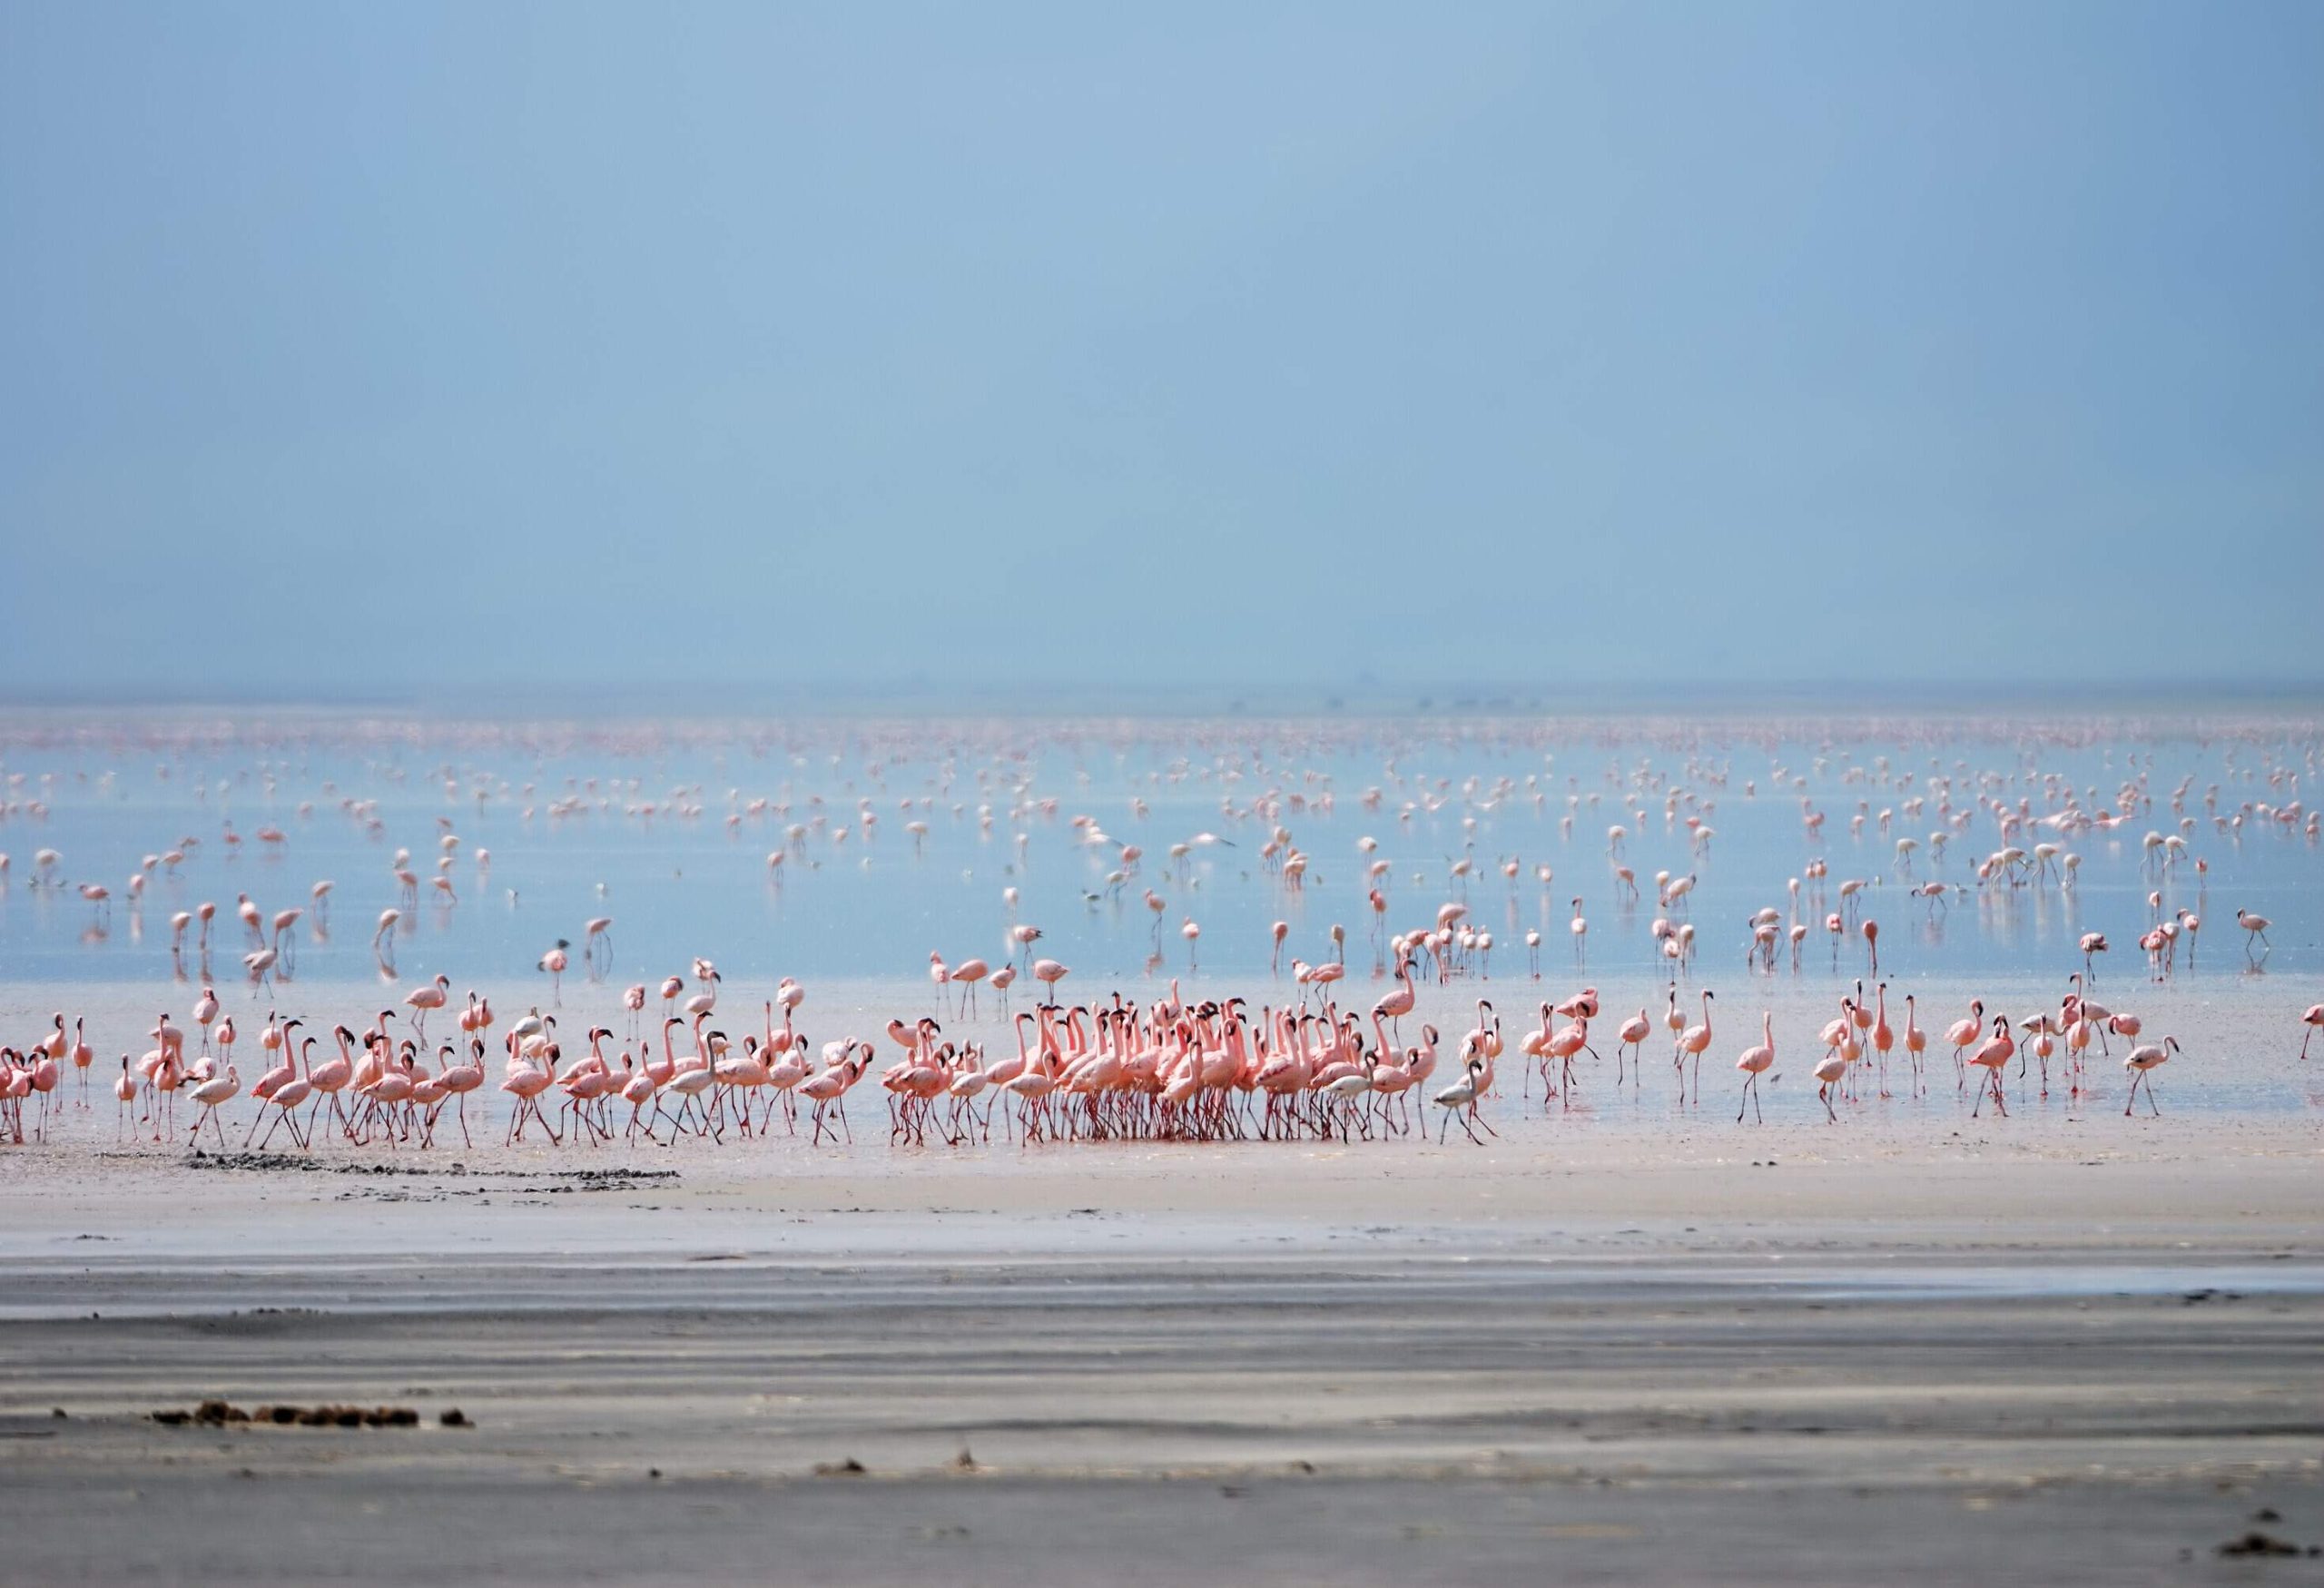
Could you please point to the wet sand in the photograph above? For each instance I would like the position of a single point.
(1768, 1355)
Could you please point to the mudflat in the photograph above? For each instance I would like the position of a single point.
(1929, 1354)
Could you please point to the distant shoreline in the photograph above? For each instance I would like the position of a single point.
(1418, 702)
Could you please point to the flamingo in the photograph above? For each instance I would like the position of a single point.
(1961, 1033)
(1754, 1063)
(459, 1080)
(1693, 1040)
(420, 999)
(966, 975)
(1398, 1003)
(2255, 928)
(1633, 1034)
(1994, 1055)
(554, 962)
(829, 1090)
(210, 1094)
(2140, 1062)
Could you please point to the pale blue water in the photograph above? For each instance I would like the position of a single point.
(682, 884)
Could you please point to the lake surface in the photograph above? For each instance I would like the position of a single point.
(667, 829)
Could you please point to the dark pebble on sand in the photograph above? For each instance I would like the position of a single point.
(2256, 1543)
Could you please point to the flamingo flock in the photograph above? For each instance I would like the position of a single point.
(1300, 1061)
(1166, 1069)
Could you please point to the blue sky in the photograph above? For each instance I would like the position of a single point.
(428, 345)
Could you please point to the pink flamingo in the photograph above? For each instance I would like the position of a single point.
(1961, 1033)
(526, 1082)
(1632, 1034)
(1754, 1063)
(125, 1091)
(1994, 1055)
(2142, 1062)
(1399, 1002)
(210, 1094)
(829, 1090)
(421, 999)
(1460, 1101)
(967, 975)
(554, 962)
(1694, 1040)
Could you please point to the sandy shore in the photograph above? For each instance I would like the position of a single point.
(1766, 1355)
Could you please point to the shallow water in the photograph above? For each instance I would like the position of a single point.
(648, 840)
(668, 829)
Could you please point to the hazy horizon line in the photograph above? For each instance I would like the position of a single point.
(912, 697)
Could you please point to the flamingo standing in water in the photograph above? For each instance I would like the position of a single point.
(1961, 1033)
(2255, 928)
(1692, 1042)
(1884, 1036)
(554, 962)
(420, 999)
(2094, 943)
(1994, 1055)
(1459, 1101)
(1754, 1063)
(2140, 1062)
(829, 1090)
(1633, 1034)
(83, 1057)
(1399, 1002)
(966, 975)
